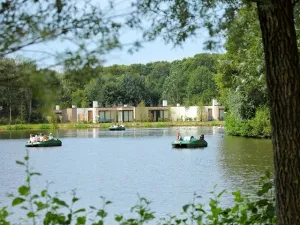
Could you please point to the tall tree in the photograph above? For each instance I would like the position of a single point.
(241, 75)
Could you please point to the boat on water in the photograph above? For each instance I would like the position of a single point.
(117, 127)
(49, 143)
(189, 142)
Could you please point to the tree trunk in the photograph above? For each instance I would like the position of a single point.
(30, 105)
(9, 91)
(283, 81)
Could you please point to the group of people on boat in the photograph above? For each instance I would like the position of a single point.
(40, 137)
(117, 125)
(179, 137)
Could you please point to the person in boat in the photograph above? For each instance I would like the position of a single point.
(37, 138)
(45, 138)
(201, 137)
(179, 137)
(50, 136)
(31, 138)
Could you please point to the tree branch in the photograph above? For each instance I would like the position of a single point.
(294, 2)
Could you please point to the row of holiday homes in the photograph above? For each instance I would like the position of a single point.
(129, 113)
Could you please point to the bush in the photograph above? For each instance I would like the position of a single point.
(4, 121)
(45, 126)
(259, 126)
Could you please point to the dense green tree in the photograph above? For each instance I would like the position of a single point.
(156, 75)
(201, 87)
(132, 89)
(22, 95)
(174, 86)
(94, 90)
(241, 78)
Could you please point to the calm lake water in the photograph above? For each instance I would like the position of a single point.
(119, 165)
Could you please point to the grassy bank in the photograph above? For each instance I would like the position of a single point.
(106, 125)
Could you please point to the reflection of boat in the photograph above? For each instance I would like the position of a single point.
(48, 143)
(117, 127)
(189, 142)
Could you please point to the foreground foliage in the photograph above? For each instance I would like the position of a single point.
(44, 208)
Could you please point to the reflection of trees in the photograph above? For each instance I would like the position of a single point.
(243, 160)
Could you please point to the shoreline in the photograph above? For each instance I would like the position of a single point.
(107, 125)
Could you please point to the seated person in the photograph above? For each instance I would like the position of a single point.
(31, 139)
(50, 136)
(37, 138)
(179, 137)
(45, 138)
(201, 137)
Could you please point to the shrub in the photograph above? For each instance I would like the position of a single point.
(259, 126)
(45, 126)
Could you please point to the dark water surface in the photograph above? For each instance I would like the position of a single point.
(121, 164)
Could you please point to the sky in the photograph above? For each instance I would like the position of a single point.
(157, 51)
(150, 52)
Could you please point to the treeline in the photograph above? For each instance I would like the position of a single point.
(28, 92)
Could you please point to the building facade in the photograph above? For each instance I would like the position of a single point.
(141, 114)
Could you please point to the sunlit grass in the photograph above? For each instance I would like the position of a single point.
(107, 125)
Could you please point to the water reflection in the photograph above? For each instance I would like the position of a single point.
(98, 132)
(245, 159)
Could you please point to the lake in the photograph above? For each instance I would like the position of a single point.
(120, 165)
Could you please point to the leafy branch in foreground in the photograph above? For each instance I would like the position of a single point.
(43, 208)
(91, 30)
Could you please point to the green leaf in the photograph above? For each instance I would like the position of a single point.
(79, 210)
(74, 199)
(108, 202)
(30, 215)
(149, 216)
(41, 205)
(59, 202)
(23, 190)
(34, 197)
(20, 163)
(185, 207)
(43, 193)
(81, 220)
(118, 218)
(17, 201)
(26, 158)
(35, 174)
(221, 193)
(102, 213)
